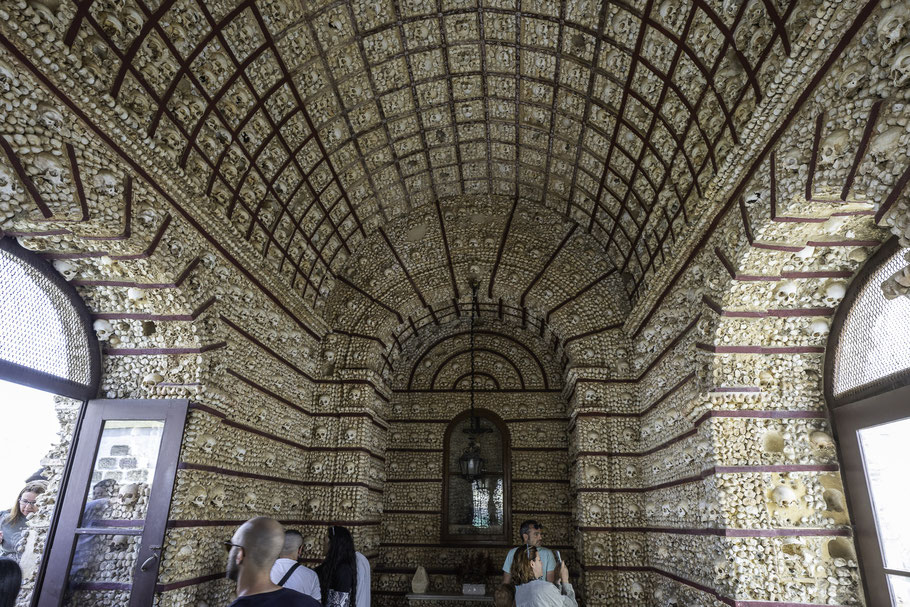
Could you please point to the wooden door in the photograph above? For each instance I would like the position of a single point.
(107, 543)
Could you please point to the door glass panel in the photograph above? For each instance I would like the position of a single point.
(886, 451)
(117, 499)
(900, 590)
(122, 474)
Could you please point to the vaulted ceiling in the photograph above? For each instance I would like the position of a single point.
(316, 124)
(401, 149)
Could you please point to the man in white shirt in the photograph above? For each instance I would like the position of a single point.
(289, 573)
(363, 581)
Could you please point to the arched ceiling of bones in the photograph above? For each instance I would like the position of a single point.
(539, 276)
(310, 126)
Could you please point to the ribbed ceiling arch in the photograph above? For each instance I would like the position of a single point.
(309, 126)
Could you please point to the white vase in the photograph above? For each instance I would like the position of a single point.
(420, 581)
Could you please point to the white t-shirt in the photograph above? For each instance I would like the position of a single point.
(303, 580)
(363, 581)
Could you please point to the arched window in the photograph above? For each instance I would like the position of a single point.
(475, 508)
(46, 336)
(867, 385)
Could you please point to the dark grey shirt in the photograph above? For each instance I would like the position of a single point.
(12, 533)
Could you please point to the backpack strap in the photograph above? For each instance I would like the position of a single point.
(288, 574)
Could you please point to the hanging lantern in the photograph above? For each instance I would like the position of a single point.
(470, 462)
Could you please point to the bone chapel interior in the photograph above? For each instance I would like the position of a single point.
(270, 218)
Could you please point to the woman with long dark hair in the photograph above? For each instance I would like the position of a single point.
(338, 572)
(14, 521)
(10, 582)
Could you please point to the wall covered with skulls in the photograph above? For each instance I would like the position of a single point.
(681, 391)
(179, 316)
(518, 381)
(718, 444)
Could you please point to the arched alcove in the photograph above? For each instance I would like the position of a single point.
(477, 510)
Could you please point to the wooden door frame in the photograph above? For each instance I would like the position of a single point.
(848, 420)
(58, 558)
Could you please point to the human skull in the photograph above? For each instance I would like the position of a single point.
(682, 509)
(818, 328)
(103, 329)
(634, 549)
(321, 432)
(887, 141)
(314, 504)
(787, 289)
(151, 380)
(350, 434)
(650, 508)
(269, 459)
(636, 591)
(784, 496)
(592, 473)
(50, 168)
(834, 145)
(7, 76)
(853, 75)
(217, 496)
(119, 543)
(597, 551)
(347, 504)
(317, 467)
(720, 569)
(309, 542)
(106, 183)
(821, 440)
(129, 495)
(249, 500)
(7, 180)
(49, 116)
(891, 25)
(65, 268)
(206, 442)
(834, 292)
(900, 67)
(239, 453)
(350, 468)
(594, 513)
(197, 495)
(792, 160)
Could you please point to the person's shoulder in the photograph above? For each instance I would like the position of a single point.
(545, 550)
(283, 597)
(292, 598)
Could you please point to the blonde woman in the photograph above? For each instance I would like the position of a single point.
(533, 592)
(13, 521)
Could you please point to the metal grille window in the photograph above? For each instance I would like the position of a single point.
(873, 346)
(46, 337)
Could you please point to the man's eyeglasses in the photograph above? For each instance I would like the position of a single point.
(28, 502)
(228, 545)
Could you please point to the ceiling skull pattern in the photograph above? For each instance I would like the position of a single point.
(310, 125)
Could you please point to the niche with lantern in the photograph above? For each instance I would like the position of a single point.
(476, 489)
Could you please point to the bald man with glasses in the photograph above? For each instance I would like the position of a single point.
(252, 551)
